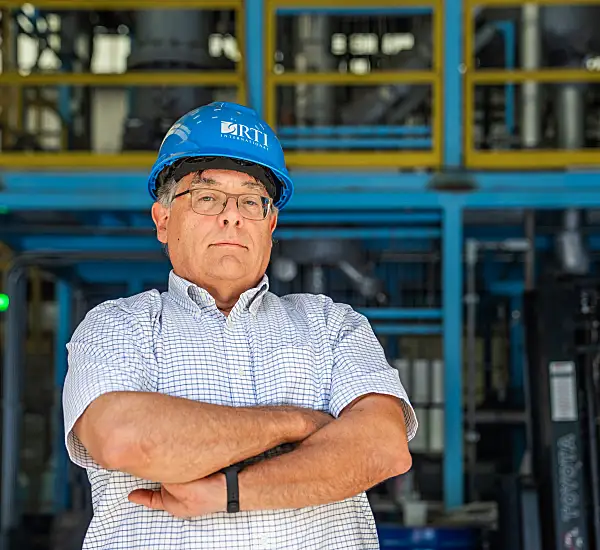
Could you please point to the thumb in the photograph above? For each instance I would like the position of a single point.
(147, 498)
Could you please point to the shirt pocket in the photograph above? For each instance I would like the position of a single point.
(293, 375)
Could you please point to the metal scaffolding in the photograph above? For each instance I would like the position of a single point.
(454, 178)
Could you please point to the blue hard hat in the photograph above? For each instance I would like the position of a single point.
(224, 130)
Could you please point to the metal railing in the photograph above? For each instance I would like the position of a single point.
(422, 150)
(12, 83)
(515, 159)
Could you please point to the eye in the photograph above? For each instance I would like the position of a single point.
(205, 196)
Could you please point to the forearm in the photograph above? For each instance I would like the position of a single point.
(174, 440)
(348, 456)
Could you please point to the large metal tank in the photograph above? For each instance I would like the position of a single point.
(165, 40)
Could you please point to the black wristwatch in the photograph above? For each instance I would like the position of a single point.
(233, 489)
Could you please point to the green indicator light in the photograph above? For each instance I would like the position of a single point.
(4, 301)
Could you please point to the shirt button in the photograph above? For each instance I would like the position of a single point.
(241, 371)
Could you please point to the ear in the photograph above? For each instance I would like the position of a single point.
(160, 216)
(273, 222)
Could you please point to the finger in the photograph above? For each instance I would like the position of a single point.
(175, 506)
(147, 498)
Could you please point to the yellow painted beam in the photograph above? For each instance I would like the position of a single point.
(240, 67)
(347, 79)
(519, 3)
(120, 5)
(78, 160)
(531, 160)
(142, 160)
(360, 4)
(242, 96)
(191, 78)
(543, 75)
(371, 160)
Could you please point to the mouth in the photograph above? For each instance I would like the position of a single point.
(228, 244)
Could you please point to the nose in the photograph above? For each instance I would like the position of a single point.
(230, 214)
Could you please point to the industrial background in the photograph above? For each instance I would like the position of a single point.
(447, 169)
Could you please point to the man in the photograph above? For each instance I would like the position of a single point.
(218, 415)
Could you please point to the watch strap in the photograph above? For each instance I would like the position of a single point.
(233, 490)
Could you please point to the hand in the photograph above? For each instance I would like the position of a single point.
(186, 500)
(315, 420)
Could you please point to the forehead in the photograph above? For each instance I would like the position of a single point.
(224, 179)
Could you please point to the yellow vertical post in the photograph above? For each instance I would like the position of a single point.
(7, 93)
(438, 88)
(240, 68)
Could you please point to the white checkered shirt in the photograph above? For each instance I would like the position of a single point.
(302, 350)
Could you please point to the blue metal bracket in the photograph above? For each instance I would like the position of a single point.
(453, 117)
(452, 280)
(64, 298)
(254, 50)
(316, 192)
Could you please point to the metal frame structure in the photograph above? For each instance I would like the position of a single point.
(527, 159)
(349, 187)
(328, 159)
(10, 78)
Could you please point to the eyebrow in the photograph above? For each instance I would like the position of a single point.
(198, 179)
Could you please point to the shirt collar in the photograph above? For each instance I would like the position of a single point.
(191, 296)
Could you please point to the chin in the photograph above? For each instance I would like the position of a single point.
(228, 269)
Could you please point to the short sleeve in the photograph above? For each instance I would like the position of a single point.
(104, 355)
(360, 368)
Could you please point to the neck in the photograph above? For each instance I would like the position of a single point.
(225, 293)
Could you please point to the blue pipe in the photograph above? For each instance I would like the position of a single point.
(452, 58)
(135, 285)
(358, 233)
(136, 274)
(382, 218)
(304, 131)
(336, 143)
(397, 314)
(402, 329)
(255, 55)
(147, 243)
(62, 336)
(452, 300)
(517, 354)
(507, 28)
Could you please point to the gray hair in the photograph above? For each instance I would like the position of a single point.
(167, 191)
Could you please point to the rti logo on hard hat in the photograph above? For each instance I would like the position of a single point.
(241, 132)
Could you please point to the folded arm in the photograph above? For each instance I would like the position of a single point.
(115, 418)
(174, 440)
(366, 444)
(362, 448)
